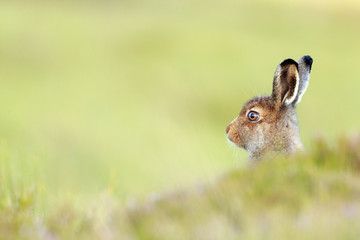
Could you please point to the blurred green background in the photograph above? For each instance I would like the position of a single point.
(135, 95)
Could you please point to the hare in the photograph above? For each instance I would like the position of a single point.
(269, 123)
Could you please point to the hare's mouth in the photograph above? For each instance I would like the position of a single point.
(230, 141)
(234, 138)
(234, 143)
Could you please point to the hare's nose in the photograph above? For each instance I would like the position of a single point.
(227, 129)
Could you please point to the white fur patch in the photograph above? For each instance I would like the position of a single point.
(305, 83)
(258, 141)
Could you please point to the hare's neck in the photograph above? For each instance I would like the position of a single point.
(288, 131)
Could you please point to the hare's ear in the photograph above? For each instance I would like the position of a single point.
(305, 64)
(286, 82)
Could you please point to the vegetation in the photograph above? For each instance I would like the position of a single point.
(308, 196)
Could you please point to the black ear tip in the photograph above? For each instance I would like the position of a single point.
(288, 62)
(308, 60)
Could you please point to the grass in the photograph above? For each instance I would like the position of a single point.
(308, 196)
(146, 89)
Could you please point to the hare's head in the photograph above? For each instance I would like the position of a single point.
(269, 123)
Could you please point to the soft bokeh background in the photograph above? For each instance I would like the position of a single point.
(135, 95)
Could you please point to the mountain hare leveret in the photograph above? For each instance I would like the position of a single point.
(269, 123)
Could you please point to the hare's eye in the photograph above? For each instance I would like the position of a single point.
(253, 116)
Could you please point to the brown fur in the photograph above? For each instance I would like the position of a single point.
(276, 130)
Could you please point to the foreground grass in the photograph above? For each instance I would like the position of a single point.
(310, 196)
(93, 87)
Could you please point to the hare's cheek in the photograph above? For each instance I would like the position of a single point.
(259, 138)
(253, 136)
